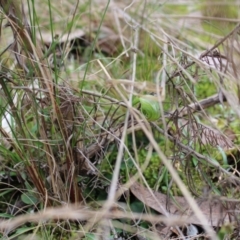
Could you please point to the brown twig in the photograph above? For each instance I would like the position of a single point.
(198, 106)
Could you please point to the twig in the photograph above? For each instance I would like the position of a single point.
(197, 106)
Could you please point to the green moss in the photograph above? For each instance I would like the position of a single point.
(205, 88)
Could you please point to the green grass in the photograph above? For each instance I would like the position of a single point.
(72, 105)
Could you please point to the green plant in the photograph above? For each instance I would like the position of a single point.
(127, 100)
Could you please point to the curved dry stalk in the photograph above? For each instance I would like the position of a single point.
(71, 212)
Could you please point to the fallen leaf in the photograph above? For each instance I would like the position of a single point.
(214, 210)
(47, 37)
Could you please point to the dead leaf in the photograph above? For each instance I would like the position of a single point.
(230, 134)
(214, 137)
(207, 134)
(214, 210)
(107, 42)
(47, 38)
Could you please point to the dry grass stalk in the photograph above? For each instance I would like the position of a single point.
(30, 58)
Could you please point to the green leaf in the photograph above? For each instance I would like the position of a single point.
(89, 236)
(5, 215)
(195, 161)
(20, 232)
(224, 156)
(137, 207)
(225, 232)
(29, 198)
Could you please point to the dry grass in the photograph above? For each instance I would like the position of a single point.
(82, 80)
